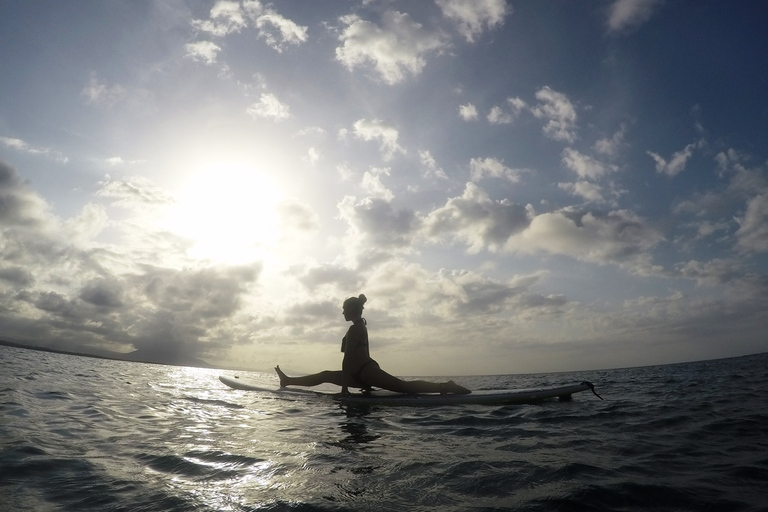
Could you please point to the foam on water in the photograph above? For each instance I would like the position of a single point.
(88, 434)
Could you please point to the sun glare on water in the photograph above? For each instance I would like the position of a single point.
(229, 212)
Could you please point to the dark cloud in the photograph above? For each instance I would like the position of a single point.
(20, 207)
(379, 222)
(477, 219)
(103, 293)
(17, 276)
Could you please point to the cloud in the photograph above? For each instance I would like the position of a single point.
(339, 277)
(610, 147)
(22, 146)
(490, 167)
(468, 112)
(618, 237)
(372, 183)
(473, 16)
(462, 299)
(278, 31)
(118, 161)
(228, 17)
(477, 220)
(98, 93)
(497, 114)
(204, 51)
(375, 129)
(676, 164)
(269, 107)
(374, 222)
(225, 18)
(585, 166)
(714, 272)
(584, 189)
(629, 14)
(395, 49)
(101, 292)
(752, 234)
(430, 166)
(84, 294)
(297, 216)
(559, 112)
(133, 191)
(20, 206)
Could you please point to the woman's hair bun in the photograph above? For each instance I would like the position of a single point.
(363, 299)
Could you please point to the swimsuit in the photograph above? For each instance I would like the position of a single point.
(358, 374)
(363, 342)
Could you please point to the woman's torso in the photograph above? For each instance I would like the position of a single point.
(357, 352)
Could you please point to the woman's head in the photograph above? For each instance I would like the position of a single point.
(354, 305)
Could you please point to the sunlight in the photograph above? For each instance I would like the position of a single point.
(228, 210)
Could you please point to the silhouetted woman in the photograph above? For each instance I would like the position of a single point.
(359, 370)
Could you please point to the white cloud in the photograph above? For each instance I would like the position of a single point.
(205, 51)
(269, 107)
(133, 191)
(468, 112)
(473, 16)
(497, 114)
(430, 166)
(118, 161)
(675, 164)
(490, 167)
(395, 48)
(584, 189)
(228, 17)
(98, 93)
(225, 18)
(628, 14)
(559, 112)
(21, 145)
(753, 225)
(277, 31)
(372, 183)
(584, 165)
(610, 147)
(313, 156)
(375, 129)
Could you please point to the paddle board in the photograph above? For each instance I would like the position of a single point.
(378, 397)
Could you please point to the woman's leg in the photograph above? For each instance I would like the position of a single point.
(326, 376)
(373, 375)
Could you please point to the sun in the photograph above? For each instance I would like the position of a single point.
(228, 211)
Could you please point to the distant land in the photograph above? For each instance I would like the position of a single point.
(137, 356)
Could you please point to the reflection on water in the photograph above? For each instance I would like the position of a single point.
(84, 434)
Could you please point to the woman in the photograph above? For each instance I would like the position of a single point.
(359, 370)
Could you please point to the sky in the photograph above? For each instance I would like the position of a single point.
(515, 186)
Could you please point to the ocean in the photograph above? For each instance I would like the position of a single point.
(86, 434)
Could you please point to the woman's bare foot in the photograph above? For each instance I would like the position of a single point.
(283, 377)
(451, 388)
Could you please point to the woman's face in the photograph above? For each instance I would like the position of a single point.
(349, 313)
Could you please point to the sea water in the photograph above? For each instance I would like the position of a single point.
(87, 434)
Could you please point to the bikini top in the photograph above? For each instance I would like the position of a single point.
(364, 341)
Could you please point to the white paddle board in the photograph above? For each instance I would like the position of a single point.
(377, 397)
